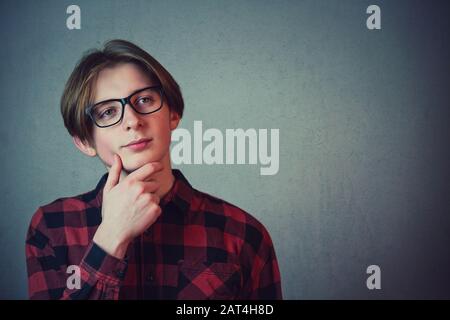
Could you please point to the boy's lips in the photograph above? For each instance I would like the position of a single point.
(138, 144)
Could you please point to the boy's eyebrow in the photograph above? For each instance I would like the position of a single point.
(137, 90)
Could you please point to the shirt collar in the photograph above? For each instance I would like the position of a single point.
(181, 193)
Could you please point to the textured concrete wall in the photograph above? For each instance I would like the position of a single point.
(363, 119)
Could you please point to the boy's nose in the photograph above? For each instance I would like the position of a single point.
(131, 119)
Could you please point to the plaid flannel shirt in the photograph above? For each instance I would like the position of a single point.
(200, 247)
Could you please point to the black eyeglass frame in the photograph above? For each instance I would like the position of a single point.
(123, 102)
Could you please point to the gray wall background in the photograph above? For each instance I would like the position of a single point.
(363, 118)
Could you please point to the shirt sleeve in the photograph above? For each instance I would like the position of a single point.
(97, 276)
(264, 281)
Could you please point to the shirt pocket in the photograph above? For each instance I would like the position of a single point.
(200, 280)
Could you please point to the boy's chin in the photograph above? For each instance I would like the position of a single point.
(130, 166)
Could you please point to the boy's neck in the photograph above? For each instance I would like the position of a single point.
(166, 180)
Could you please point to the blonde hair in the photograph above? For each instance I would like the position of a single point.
(79, 92)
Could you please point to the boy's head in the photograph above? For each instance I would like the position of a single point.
(119, 71)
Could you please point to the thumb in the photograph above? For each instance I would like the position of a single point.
(114, 174)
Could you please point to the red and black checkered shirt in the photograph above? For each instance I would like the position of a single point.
(200, 247)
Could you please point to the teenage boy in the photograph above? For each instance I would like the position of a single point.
(144, 232)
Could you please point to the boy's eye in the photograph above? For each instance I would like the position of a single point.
(145, 100)
(106, 112)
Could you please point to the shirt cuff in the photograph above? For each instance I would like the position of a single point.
(103, 264)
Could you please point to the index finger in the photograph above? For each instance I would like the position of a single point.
(145, 171)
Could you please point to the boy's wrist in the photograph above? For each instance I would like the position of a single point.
(110, 244)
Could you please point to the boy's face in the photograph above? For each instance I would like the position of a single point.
(118, 82)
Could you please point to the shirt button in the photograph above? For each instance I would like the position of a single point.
(149, 277)
(120, 274)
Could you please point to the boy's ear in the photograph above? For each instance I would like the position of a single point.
(84, 147)
(174, 120)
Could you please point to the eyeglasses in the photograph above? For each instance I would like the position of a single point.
(110, 112)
